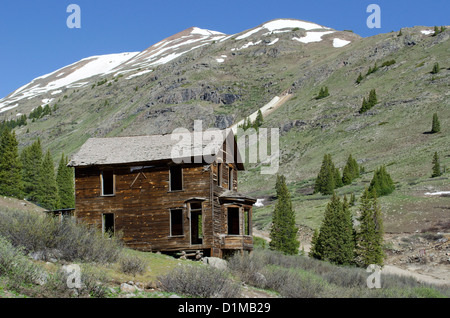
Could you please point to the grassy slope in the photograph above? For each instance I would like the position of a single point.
(393, 133)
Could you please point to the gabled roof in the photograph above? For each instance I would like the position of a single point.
(144, 149)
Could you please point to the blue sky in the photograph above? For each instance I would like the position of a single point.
(35, 39)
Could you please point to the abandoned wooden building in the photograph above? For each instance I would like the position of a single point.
(133, 185)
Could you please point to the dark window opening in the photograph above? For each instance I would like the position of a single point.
(108, 223)
(196, 223)
(233, 221)
(176, 222)
(176, 178)
(219, 174)
(230, 178)
(107, 182)
(248, 226)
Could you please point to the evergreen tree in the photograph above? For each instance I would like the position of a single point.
(65, 182)
(323, 93)
(359, 79)
(372, 98)
(351, 171)
(48, 189)
(436, 30)
(335, 241)
(436, 166)
(10, 166)
(400, 33)
(325, 181)
(337, 178)
(382, 182)
(31, 158)
(283, 232)
(364, 106)
(435, 126)
(316, 248)
(370, 235)
(258, 120)
(436, 68)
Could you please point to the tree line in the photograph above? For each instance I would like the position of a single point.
(31, 174)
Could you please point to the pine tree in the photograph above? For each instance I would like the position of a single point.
(436, 166)
(258, 120)
(337, 178)
(335, 241)
(316, 248)
(351, 171)
(400, 33)
(381, 183)
(359, 79)
(364, 106)
(436, 125)
(283, 232)
(372, 98)
(436, 30)
(10, 166)
(31, 158)
(370, 235)
(325, 181)
(436, 68)
(65, 182)
(48, 189)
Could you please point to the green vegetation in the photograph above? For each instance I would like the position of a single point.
(435, 125)
(436, 166)
(283, 232)
(370, 235)
(381, 182)
(323, 93)
(371, 101)
(10, 165)
(436, 68)
(335, 241)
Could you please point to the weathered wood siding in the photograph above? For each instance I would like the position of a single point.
(142, 203)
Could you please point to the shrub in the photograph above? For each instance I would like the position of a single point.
(199, 281)
(64, 240)
(132, 265)
(16, 266)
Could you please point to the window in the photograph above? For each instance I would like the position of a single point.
(196, 222)
(108, 223)
(176, 178)
(107, 182)
(230, 178)
(247, 222)
(233, 221)
(176, 222)
(219, 174)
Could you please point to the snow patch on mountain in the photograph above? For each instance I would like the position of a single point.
(340, 43)
(312, 37)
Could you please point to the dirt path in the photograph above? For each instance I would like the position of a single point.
(391, 269)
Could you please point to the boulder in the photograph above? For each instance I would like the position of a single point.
(215, 262)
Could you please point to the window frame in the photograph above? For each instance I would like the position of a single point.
(102, 184)
(181, 177)
(171, 223)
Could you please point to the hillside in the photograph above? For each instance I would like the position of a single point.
(220, 79)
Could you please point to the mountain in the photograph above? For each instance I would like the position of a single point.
(279, 67)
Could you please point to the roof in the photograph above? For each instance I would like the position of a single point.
(235, 196)
(142, 149)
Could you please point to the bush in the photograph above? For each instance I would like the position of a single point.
(199, 281)
(65, 240)
(16, 266)
(132, 265)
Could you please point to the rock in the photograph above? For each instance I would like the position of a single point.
(126, 288)
(215, 262)
(174, 296)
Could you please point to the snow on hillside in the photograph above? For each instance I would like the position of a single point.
(73, 75)
(277, 26)
(312, 36)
